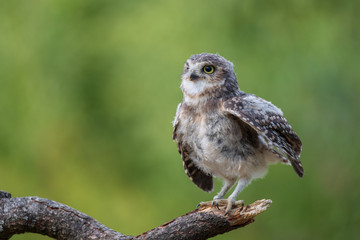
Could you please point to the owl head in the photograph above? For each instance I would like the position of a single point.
(208, 75)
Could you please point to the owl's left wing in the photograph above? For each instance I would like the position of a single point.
(268, 121)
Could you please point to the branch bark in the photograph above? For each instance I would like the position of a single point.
(56, 220)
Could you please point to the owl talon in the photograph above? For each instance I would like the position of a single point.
(215, 204)
(229, 206)
(227, 212)
(204, 204)
(212, 204)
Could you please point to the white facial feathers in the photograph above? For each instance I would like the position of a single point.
(194, 88)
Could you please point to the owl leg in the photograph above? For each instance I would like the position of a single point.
(218, 199)
(225, 188)
(243, 182)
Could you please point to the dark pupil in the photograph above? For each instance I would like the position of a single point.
(208, 69)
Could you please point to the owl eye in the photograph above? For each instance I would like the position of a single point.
(208, 69)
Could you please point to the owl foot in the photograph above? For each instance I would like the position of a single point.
(233, 204)
(213, 203)
(228, 204)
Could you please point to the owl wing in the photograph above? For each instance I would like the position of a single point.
(269, 122)
(196, 175)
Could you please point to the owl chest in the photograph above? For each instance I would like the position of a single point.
(214, 138)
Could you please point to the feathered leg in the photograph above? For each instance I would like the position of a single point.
(225, 188)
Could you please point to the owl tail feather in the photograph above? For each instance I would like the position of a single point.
(298, 167)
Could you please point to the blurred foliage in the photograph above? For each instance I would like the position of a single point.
(88, 90)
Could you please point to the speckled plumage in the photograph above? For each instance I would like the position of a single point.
(224, 132)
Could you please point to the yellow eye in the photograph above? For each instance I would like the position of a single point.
(208, 69)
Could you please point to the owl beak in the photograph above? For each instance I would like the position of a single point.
(194, 77)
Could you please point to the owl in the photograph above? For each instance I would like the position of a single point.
(224, 132)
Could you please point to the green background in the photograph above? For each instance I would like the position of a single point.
(88, 91)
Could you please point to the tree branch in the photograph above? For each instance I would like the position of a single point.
(56, 220)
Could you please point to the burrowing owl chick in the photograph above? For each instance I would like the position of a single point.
(223, 132)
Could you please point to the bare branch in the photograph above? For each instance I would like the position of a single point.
(39, 215)
(56, 220)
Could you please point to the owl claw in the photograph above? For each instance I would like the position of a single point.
(215, 204)
(232, 204)
(229, 206)
(204, 204)
(227, 203)
(227, 212)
